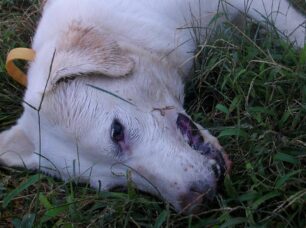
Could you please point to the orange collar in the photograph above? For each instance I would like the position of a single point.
(19, 54)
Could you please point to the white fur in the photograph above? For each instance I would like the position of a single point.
(141, 51)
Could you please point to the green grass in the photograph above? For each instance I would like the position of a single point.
(250, 90)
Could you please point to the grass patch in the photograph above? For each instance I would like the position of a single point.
(250, 90)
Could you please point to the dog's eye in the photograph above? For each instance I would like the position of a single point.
(117, 131)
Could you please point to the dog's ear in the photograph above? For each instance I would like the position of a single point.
(16, 149)
(85, 50)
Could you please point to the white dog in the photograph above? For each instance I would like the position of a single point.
(105, 95)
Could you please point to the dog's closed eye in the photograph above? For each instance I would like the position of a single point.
(65, 79)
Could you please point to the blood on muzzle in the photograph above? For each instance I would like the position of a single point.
(195, 139)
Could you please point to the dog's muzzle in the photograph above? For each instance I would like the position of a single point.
(200, 191)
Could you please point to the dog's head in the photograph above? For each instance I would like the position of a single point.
(112, 114)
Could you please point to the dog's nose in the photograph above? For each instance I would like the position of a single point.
(198, 193)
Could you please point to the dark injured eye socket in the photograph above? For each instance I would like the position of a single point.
(117, 131)
(190, 131)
